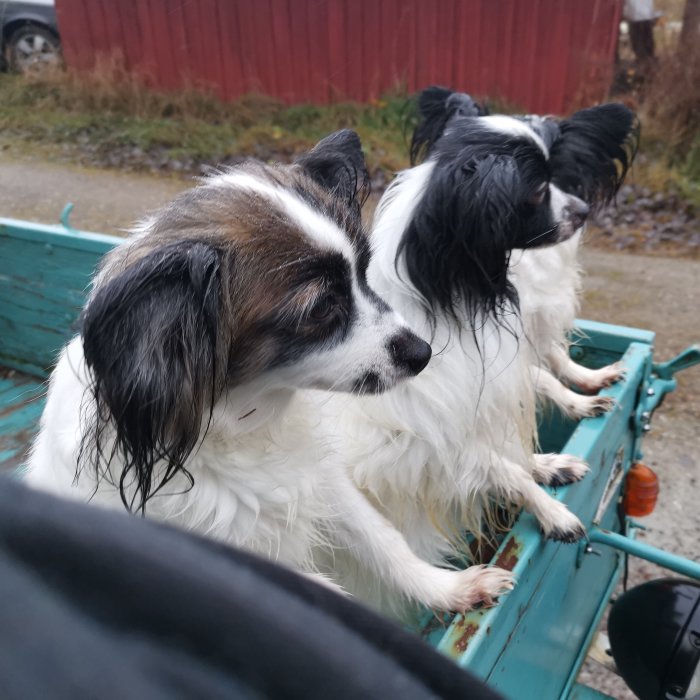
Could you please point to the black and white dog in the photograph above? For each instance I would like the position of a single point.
(435, 453)
(179, 398)
(591, 153)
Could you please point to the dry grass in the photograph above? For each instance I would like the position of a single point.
(109, 88)
(99, 116)
(108, 109)
(666, 94)
(671, 101)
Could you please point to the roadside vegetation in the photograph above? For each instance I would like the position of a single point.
(108, 118)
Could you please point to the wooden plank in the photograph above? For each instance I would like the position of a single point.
(354, 49)
(468, 77)
(337, 78)
(426, 64)
(132, 39)
(262, 22)
(390, 76)
(180, 45)
(150, 60)
(21, 404)
(227, 21)
(246, 40)
(57, 236)
(538, 54)
(195, 43)
(44, 276)
(319, 51)
(445, 51)
(301, 41)
(404, 44)
(283, 54)
(99, 39)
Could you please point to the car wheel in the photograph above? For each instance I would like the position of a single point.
(32, 47)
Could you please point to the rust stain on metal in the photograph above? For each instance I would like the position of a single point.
(462, 642)
(510, 555)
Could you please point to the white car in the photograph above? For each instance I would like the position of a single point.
(29, 33)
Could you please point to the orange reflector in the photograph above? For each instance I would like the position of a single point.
(641, 491)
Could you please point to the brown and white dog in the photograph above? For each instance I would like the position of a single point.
(178, 399)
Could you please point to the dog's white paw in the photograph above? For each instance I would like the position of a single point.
(600, 378)
(560, 524)
(598, 405)
(479, 586)
(588, 406)
(558, 469)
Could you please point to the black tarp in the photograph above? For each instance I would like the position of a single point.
(98, 604)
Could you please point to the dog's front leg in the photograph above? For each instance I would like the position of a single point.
(589, 380)
(514, 483)
(570, 403)
(359, 529)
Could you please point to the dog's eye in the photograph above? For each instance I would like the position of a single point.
(325, 308)
(540, 193)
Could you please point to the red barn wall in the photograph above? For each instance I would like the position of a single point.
(545, 56)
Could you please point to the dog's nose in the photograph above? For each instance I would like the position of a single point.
(408, 350)
(578, 212)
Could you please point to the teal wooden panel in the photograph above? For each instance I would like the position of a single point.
(530, 645)
(44, 276)
(21, 403)
(609, 337)
(96, 243)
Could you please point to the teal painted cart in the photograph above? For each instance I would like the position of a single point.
(532, 645)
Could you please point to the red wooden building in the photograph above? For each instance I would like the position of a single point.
(545, 56)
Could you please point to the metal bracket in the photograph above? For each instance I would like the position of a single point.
(65, 218)
(660, 383)
(680, 565)
(688, 358)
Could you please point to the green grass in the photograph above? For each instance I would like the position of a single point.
(89, 117)
(111, 112)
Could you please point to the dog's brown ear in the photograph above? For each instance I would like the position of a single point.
(150, 340)
(338, 164)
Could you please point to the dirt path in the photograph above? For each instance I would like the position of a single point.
(105, 201)
(662, 294)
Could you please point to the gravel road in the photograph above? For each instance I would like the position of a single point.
(105, 201)
(662, 294)
(659, 293)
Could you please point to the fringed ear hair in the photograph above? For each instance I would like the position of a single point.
(455, 249)
(594, 152)
(338, 165)
(437, 106)
(151, 340)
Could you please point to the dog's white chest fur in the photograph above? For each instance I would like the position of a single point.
(261, 490)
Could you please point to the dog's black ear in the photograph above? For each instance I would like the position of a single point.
(456, 248)
(591, 157)
(338, 164)
(437, 106)
(150, 340)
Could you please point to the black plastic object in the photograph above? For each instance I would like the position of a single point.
(97, 604)
(654, 634)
